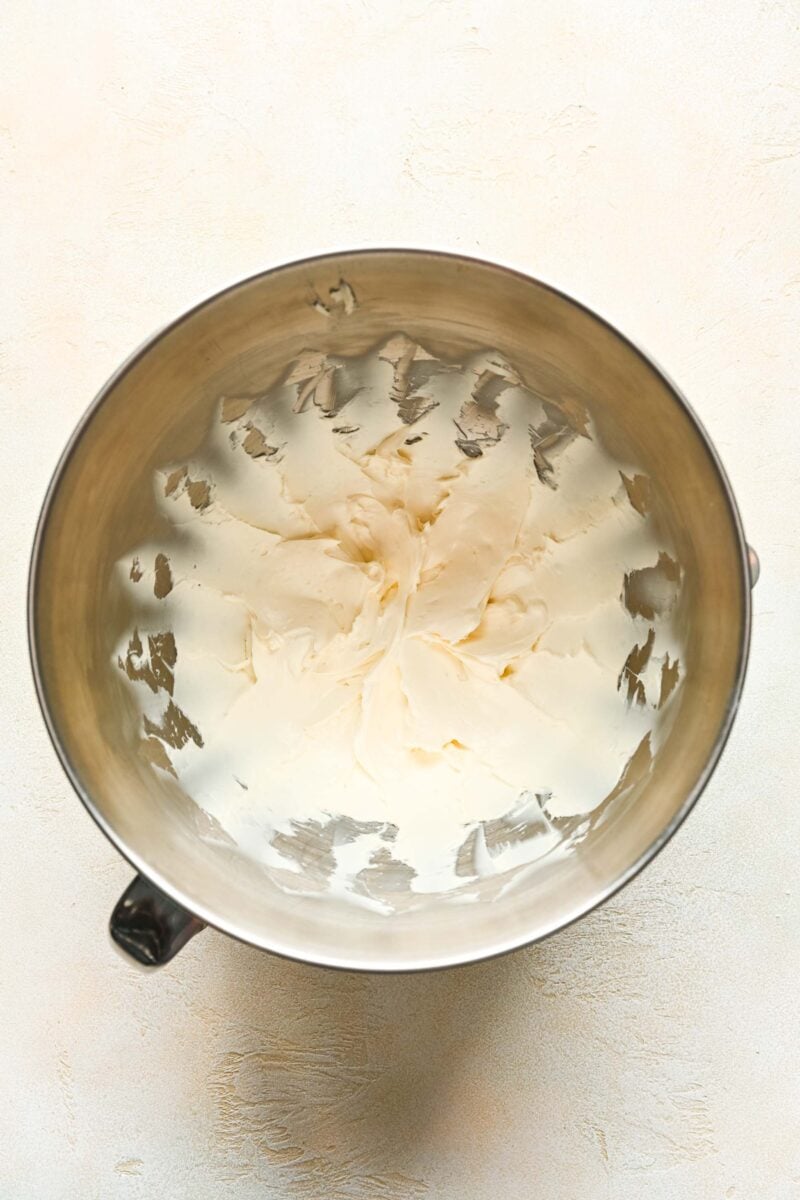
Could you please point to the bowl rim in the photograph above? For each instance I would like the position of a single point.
(275, 946)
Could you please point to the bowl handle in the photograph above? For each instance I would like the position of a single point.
(149, 926)
(754, 566)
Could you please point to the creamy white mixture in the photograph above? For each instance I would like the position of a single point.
(408, 608)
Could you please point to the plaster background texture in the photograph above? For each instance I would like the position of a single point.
(644, 157)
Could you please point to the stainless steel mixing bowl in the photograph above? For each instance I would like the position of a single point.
(157, 408)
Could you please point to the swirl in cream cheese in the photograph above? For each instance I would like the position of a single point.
(405, 610)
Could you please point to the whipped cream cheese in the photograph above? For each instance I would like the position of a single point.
(410, 626)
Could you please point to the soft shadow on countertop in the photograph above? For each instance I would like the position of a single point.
(336, 1086)
(333, 1084)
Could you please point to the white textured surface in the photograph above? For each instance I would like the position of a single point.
(645, 157)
